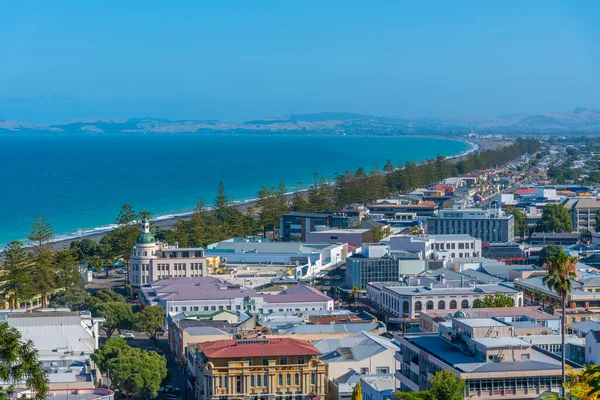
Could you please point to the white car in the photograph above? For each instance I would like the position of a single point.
(127, 335)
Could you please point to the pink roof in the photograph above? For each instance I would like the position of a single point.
(295, 294)
(274, 347)
(525, 191)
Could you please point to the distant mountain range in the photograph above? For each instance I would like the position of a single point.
(580, 120)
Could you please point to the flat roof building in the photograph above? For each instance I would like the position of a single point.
(407, 301)
(485, 225)
(484, 353)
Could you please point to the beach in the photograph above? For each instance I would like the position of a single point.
(167, 222)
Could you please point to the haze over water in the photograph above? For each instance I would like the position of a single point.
(79, 182)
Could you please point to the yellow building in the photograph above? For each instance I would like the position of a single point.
(278, 368)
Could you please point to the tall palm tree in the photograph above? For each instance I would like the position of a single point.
(354, 293)
(561, 270)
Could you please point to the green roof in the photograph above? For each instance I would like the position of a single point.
(145, 238)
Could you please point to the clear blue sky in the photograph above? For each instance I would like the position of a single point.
(235, 60)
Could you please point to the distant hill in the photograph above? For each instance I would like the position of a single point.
(580, 120)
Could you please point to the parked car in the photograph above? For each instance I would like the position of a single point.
(156, 350)
(127, 335)
(169, 390)
(327, 283)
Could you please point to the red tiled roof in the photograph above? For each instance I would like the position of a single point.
(257, 348)
(525, 191)
(445, 188)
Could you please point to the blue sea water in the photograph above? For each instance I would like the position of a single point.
(79, 182)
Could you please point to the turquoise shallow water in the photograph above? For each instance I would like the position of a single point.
(80, 181)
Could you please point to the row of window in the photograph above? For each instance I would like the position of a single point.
(237, 307)
(259, 380)
(514, 383)
(441, 305)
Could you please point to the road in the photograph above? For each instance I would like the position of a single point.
(177, 375)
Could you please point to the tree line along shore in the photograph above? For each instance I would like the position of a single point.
(43, 268)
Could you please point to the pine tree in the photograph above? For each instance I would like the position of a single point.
(16, 282)
(43, 271)
(222, 206)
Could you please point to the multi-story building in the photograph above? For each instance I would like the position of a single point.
(407, 300)
(584, 296)
(429, 321)
(363, 352)
(64, 341)
(377, 264)
(390, 208)
(295, 225)
(208, 294)
(486, 225)
(354, 237)
(257, 368)
(584, 211)
(305, 259)
(435, 247)
(151, 260)
(553, 238)
(485, 353)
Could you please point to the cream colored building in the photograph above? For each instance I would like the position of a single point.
(151, 260)
(257, 368)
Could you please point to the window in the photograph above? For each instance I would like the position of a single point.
(249, 361)
(283, 360)
(258, 380)
(313, 378)
(252, 380)
(382, 370)
(418, 306)
(265, 361)
(453, 304)
(226, 382)
(364, 370)
(464, 304)
(238, 384)
(301, 360)
(429, 305)
(297, 379)
(288, 379)
(441, 305)
(280, 379)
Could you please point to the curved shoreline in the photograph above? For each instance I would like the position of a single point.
(166, 221)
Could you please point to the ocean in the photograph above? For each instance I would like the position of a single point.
(79, 181)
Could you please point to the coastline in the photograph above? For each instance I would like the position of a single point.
(168, 221)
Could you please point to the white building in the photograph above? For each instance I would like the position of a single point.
(402, 300)
(363, 352)
(197, 294)
(437, 247)
(307, 258)
(151, 260)
(64, 340)
(592, 347)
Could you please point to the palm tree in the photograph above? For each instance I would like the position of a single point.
(354, 294)
(561, 270)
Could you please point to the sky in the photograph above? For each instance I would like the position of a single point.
(237, 60)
